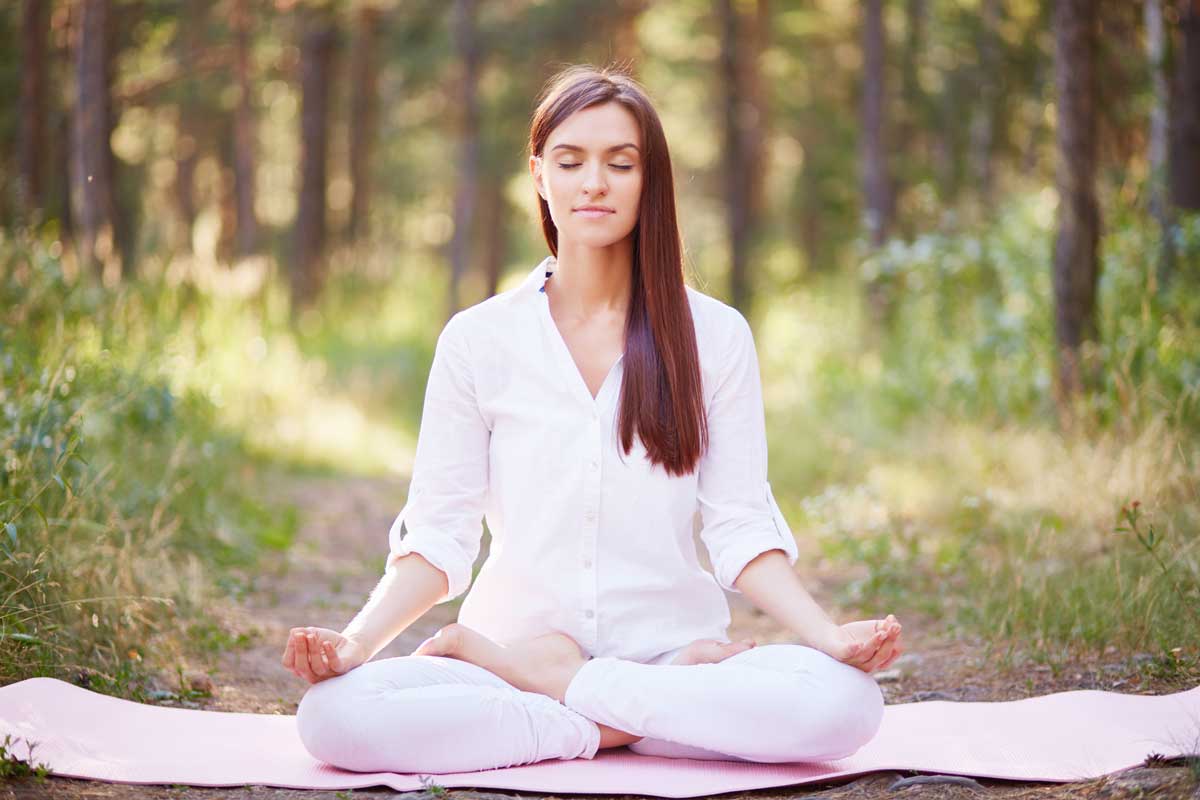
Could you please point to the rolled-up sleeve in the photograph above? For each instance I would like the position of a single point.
(442, 519)
(739, 516)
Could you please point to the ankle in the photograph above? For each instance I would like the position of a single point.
(611, 737)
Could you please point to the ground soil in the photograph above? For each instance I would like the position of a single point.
(325, 578)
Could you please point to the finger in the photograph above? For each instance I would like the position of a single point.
(892, 660)
(335, 661)
(303, 662)
(316, 656)
(897, 651)
(885, 652)
(289, 655)
(871, 647)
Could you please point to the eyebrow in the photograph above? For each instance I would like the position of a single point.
(579, 149)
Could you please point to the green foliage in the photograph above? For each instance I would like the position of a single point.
(118, 491)
(15, 766)
(932, 457)
(973, 328)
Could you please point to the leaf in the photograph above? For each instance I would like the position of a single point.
(12, 532)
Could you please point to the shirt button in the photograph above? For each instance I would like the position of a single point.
(587, 562)
(590, 514)
(589, 613)
(595, 465)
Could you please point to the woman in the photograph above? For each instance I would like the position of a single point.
(589, 413)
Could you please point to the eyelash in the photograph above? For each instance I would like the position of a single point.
(614, 166)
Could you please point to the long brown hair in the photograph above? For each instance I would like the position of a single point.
(661, 396)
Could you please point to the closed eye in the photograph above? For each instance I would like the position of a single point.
(614, 166)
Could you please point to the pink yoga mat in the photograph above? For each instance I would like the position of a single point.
(1067, 736)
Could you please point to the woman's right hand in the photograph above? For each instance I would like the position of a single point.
(317, 654)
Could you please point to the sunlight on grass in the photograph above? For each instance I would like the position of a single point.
(294, 405)
(934, 492)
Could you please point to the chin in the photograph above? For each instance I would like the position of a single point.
(595, 238)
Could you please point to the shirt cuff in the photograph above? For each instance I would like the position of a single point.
(752, 544)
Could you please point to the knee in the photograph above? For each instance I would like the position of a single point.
(323, 723)
(852, 713)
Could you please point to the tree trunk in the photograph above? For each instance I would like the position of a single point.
(1185, 112)
(1160, 208)
(316, 62)
(493, 229)
(877, 182)
(742, 41)
(983, 121)
(910, 120)
(187, 136)
(467, 48)
(243, 133)
(1076, 258)
(626, 50)
(363, 114)
(91, 180)
(35, 26)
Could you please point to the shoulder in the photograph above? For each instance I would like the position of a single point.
(720, 328)
(483, 321)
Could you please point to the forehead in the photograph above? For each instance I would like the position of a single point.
(598, 128)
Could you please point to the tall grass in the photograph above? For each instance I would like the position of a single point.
(932, 467)
(126, 506)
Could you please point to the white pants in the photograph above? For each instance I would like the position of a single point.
(432, 714)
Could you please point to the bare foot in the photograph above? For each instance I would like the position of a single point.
(544, 664)
(710, 651)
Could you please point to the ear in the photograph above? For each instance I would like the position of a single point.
(535, 169)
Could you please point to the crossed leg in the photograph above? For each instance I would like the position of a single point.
(434, 714)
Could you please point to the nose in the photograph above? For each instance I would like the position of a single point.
(594, 183)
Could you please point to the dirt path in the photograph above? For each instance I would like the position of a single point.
(325, 578)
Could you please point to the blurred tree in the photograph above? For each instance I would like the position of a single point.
(626, 50)
(317, 46)
(876, 180)
(1160, 202)
(983, 121)
(244, 129)
(188, 41)
(743, 39)
(35, 27)
(466, 113)
(1076, 258)
(1185, 110)
(364, 79)
(92, 160)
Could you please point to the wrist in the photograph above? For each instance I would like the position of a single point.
(824, 637)
(356, 638)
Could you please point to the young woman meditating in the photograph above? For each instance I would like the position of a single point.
(589, 413)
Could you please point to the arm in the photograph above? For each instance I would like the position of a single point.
(747, 536)
(739, 517)
(406, 591)
(435, 538)
(772, 585)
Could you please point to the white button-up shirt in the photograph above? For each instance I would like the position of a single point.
(586, 540)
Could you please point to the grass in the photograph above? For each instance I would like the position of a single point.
(14, 766)
(128, 506)
(930, 465)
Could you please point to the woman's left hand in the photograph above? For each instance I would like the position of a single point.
(868, 644)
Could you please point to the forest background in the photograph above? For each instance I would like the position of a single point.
(965, 232)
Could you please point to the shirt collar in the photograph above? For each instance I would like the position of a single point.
(536, 279)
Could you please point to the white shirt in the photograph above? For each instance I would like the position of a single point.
(585, 540)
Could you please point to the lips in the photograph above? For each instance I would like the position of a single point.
(597, 209)
(593, 213)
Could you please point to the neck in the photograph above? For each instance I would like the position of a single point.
(590, 282)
